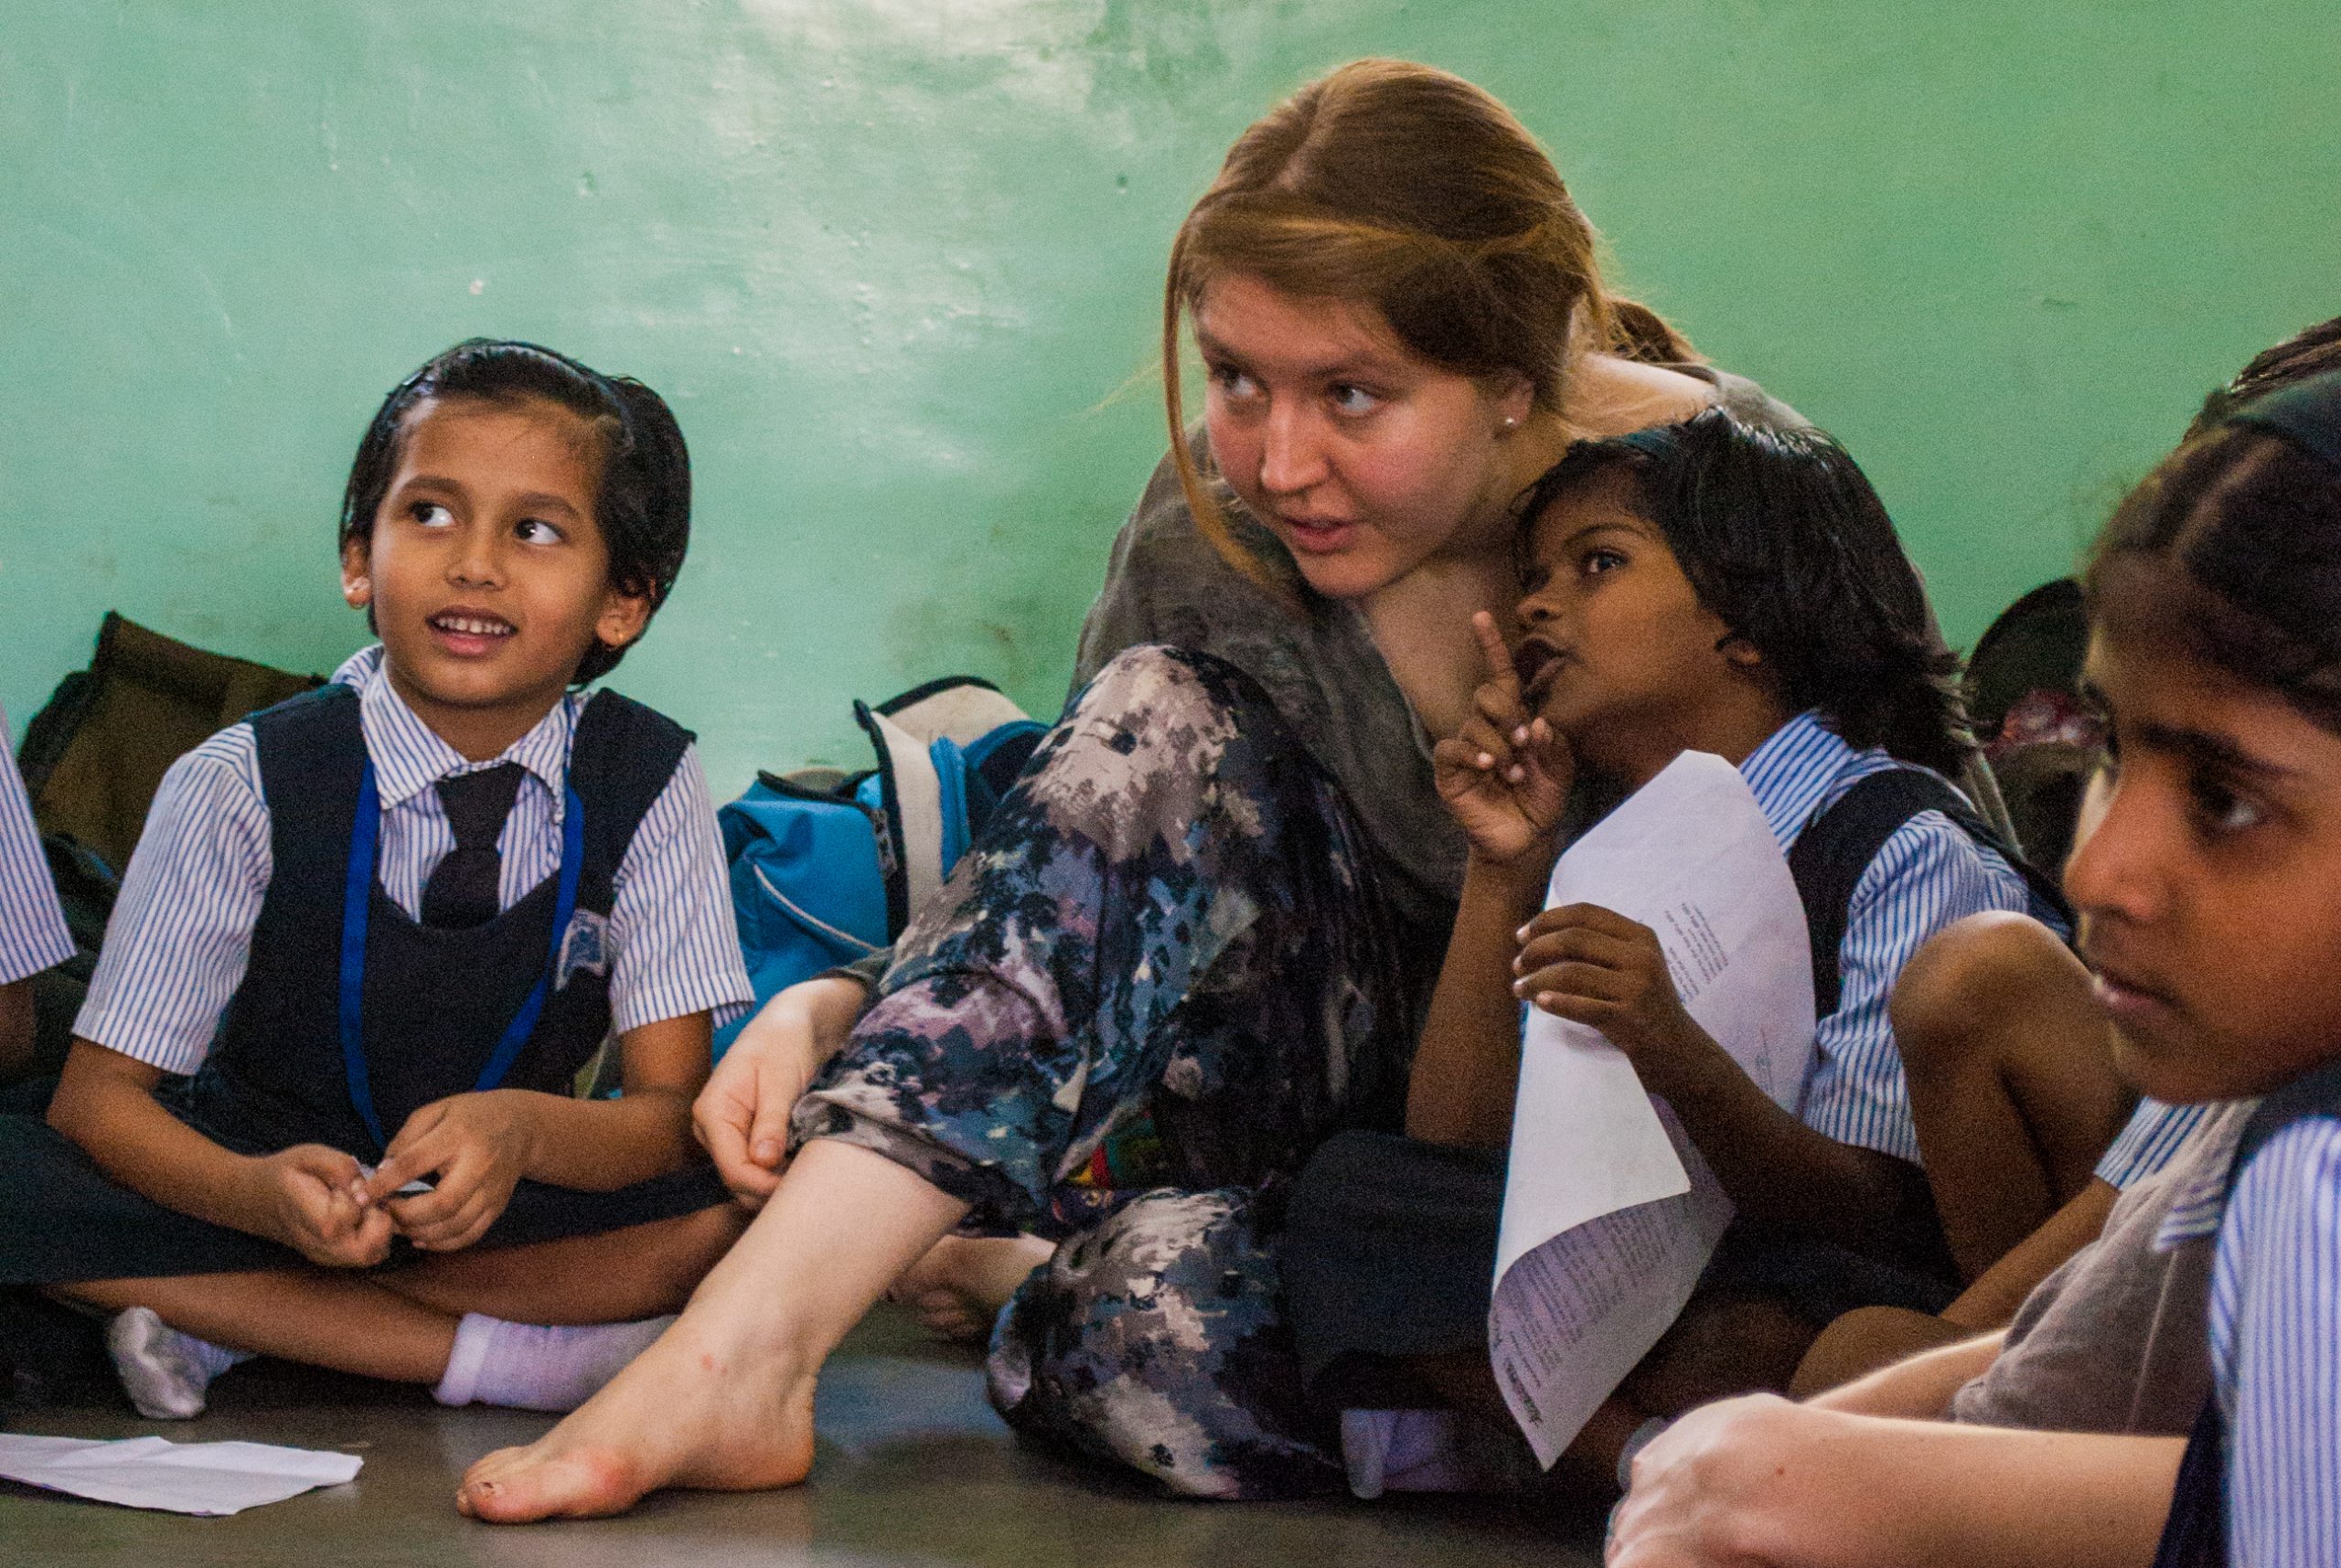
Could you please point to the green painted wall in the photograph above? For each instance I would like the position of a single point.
(896, 263)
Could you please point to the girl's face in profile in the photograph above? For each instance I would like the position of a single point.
(1615, 645)
(2209, 889)
(1363, 458)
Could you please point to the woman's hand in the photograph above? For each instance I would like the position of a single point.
(1699, 1496)
(740, 1118)
(1506, 777)
(477, 1145)
(1594, 965)
(312, 1199)
(1757, 1482)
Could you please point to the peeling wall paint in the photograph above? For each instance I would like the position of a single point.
(897, 263)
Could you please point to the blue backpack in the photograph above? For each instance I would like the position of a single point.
(828, 867)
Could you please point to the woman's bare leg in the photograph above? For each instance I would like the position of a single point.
(724, 1399)
(2011, 1075)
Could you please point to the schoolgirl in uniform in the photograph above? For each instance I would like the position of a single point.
(1705, 586)
(2210, 906)
(320, 1101)
(2011, 1069)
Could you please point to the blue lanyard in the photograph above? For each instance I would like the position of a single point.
(358, 889)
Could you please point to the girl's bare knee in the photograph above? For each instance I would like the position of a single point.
(1969, 980)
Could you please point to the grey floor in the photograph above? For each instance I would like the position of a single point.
(913, 1469)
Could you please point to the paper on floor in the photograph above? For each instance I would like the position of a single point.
(182, 1478)
(1609, 1214)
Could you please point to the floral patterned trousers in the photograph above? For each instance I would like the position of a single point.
(1160, 977)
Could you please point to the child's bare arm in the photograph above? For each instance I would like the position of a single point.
(307, 1197)
(1594, 966)
(1467, 1067)
(1505, 778)
(1992, 1301)
(477, 1146)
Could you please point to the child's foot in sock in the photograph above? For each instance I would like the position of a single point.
(1403, 1451)
(531, 1365)
(163, 1371)
(1434, 1451)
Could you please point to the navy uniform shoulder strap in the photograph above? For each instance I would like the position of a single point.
(619, 760)
(1838, 845)
(2316, 1093)
(312, 753)
(2195, 1535)
(329, 710)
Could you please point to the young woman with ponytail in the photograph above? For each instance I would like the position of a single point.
(1198, 938)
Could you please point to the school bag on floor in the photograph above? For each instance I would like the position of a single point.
(94, 753)
(92, 759)
(828, 867)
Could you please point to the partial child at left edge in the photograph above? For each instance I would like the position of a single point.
(33, 934)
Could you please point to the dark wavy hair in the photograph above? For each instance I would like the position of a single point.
(1783, 539)
(2310, 351)
(2231, 549)
(644, 503)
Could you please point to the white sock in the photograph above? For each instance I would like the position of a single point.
(1403, 1451)
(1365, 1442)
(531, 1365)
(165, 1372)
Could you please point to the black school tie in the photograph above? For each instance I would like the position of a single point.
(462, 891)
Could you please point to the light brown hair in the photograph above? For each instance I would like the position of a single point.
(1406, 188)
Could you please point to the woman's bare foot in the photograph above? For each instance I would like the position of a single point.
(724, 1399)
(684, 1414)
(958, 1287)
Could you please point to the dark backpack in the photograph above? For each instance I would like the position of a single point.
(92, 759)
(1838, 845)
(94, 753)
(2024, 699)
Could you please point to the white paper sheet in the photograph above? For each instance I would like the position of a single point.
(1609, 1214)
(180, 1478)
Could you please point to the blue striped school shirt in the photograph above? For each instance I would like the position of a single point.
(2147, 1141)
(181, 933)
(1928, 874)
(2275, 1339)
(32, 928)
